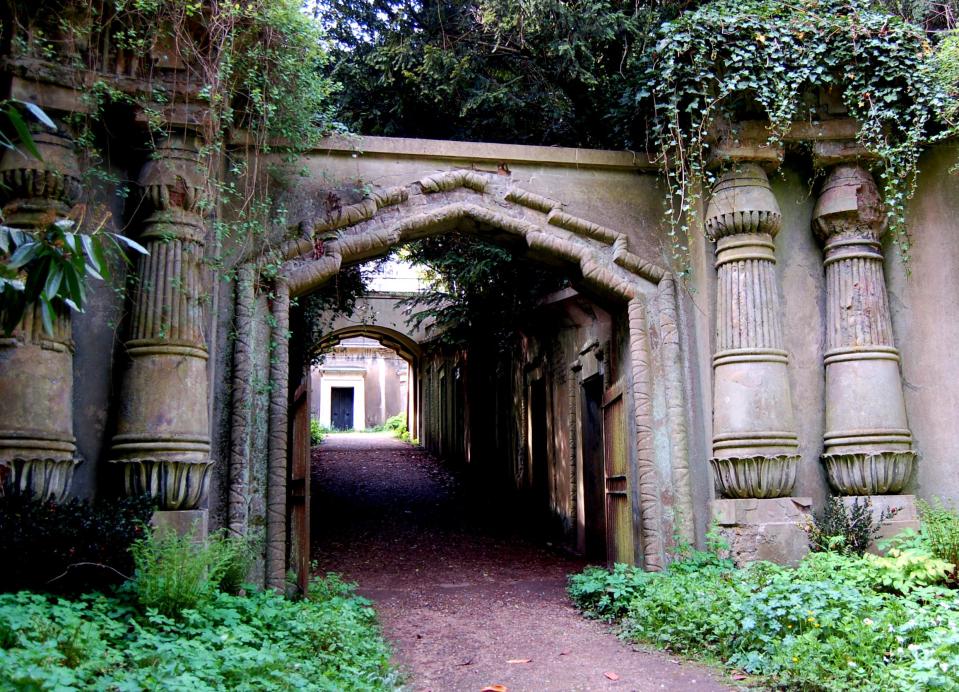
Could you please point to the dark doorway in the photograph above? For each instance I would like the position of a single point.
(341, 408)
(594, 476)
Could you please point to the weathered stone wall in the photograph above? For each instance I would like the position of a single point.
(924, 299)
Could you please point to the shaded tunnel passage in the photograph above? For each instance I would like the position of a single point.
(460, 586)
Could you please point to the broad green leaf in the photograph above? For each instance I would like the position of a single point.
(39, 114)
(130, 243)
(23, 132)
(24, 254)
(52, 285)
(74, 285)
(46, 314)
(88, 250)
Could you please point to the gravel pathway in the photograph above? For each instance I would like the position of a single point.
(466, 600)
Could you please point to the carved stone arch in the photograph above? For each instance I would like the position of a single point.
(473, 201)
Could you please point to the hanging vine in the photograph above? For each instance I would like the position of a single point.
(766, 59)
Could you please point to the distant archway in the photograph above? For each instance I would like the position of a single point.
(403, 344)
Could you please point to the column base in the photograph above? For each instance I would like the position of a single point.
(44, 478)
(875, 474)
(182, 522)
(177, 484)
(770, 529)
(906, 516)
(756, 476)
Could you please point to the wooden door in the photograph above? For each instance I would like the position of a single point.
(341, 408)
(619, 515)
(298, 486)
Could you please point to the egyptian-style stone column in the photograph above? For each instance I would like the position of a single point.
(163, 439)
(868, 446)
(36, 368)
(754, 446)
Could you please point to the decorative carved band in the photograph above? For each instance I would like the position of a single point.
(856, 353)
(857, 308)
(43, 477)
(750, 355)
(747, 303)
(157, 347)
(168, 302)
(879, 473)
(756, 476)
(176, 484)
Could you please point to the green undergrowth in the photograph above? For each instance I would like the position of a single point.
(835, 622)
(259, 641)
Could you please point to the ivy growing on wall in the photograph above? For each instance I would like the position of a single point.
(763, 59)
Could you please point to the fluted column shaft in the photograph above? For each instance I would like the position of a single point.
(754, 443)
(36, 368)
(867, 444)
(163, 439)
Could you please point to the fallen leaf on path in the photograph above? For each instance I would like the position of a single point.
(494, 688)
(611, 676)
(520, 660)
(739, 676)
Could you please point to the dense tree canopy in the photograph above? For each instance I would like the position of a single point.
(554, 72)
(537, 72)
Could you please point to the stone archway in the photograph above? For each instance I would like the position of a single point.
(402, 344)
(472, 201)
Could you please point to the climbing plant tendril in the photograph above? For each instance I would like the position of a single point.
(761, 58)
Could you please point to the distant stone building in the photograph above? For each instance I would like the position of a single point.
(359, 385)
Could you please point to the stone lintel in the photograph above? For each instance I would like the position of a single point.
(182, 522)
(757, 152)
(835, 129)
(829, 153)
(764, 529)
(188, 115)
(906, 517)
(482, 153)
(50, 97)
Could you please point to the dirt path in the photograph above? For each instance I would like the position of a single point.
(459, 593)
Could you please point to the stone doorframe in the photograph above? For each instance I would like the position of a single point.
(468, 200)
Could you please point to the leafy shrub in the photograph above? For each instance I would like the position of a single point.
(909, 569)
(317, 431)
(835, 622)
(258, 641)
(606, 595)
(73, 546)
(397, 423)
(175, 573)
(845, 530)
